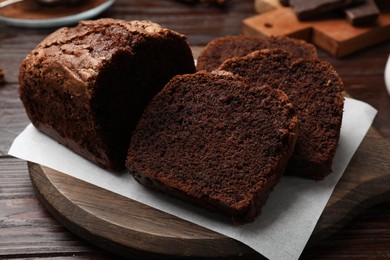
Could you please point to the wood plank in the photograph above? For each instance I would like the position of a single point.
(340, 38)
(27, 229)
(281, 21)
(371, 240)
(124, 226)
(13, 118)
(364, 184)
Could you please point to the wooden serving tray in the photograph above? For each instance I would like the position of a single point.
(129, 228)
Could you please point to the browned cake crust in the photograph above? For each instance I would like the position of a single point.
(218, 50)
(216, 141)
(316, 91)
(87, 86)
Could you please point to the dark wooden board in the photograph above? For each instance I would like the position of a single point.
(129, 228)
(333, 34)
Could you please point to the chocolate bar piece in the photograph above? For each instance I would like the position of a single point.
(285, 2)
(362, 14)
(306, 10)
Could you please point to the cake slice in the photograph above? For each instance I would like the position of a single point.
(220, 49)
(316, 91)
(87, 86)
(216, 141)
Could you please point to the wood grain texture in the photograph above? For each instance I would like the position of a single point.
(125, 226)
(365, 183)
(27, 229)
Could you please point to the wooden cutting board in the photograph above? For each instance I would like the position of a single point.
(334, 33)
(129, 228)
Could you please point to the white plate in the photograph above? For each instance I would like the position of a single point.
(57, 22)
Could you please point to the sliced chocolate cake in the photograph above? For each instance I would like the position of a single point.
(87, 86)
(316, 91)
(216, 141)
(218, 50)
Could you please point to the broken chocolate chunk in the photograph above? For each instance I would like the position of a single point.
(306, 10)
(285, 2)
(364, 13)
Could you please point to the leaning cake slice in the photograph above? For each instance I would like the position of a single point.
(223, 48)
(316, 91)
(216, 141)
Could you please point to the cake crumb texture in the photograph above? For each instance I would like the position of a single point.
(316, 91)
(216, 141)
(223, 48)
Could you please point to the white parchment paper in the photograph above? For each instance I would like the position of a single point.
(287, 220)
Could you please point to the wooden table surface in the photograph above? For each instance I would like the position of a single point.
(27, 230)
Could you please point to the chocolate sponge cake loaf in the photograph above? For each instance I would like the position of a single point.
(87, 86)
(316, 91)
(220, 49)
(216, 141)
